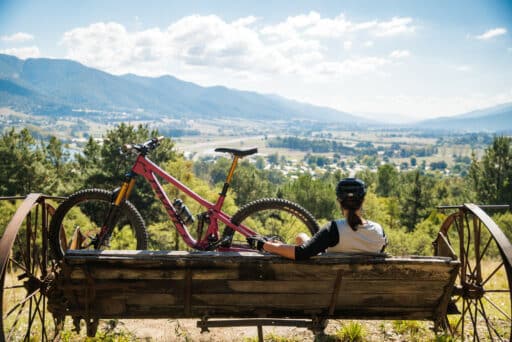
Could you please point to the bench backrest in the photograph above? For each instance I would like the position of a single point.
(145, 284)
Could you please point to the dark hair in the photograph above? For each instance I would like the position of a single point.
(350, 193)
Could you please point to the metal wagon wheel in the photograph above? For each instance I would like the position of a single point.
(481, 298)
(26, 275)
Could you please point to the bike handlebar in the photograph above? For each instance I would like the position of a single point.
(144, 147)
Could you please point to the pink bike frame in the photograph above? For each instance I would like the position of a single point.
(149, 170)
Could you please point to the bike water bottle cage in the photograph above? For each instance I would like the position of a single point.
(237, 153)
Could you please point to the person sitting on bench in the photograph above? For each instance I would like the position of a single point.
(353, 234)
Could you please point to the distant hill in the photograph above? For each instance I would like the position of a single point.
(57, 87)
(493, 119)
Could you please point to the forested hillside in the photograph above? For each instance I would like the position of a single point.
(403, 202)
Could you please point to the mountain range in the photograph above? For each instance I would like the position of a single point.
(58, 87)
(494, 119)
(53, 86)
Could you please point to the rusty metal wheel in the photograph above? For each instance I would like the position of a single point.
(480, 307)
(26, 275)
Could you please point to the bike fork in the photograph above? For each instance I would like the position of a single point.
(118, 198)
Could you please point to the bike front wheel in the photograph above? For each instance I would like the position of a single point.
(78, 220)
(272, 217)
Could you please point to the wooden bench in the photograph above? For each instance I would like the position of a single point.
(206, 285)
(470, 297)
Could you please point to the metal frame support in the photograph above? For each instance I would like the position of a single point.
(316, 325)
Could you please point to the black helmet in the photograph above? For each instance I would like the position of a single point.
(352, 188)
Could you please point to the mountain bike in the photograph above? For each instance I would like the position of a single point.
(106, 219)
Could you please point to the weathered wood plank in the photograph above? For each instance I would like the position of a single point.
(126, 273)
(182, 257)
(157, 284)
(270, 272)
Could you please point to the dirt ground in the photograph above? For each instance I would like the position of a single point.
(159, 330)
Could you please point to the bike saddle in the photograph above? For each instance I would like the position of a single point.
(236, 152)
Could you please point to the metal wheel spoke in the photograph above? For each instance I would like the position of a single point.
(468, 244)
(13, 287)
(487, 323)
(15, 322)
(22, 252)
(480, 257)
(473, 322)
(498, 308)
(41, 314)
(21, 303)
(20, 265)
(497, 291)
(461, 319)
(476, 246)
(493, 273)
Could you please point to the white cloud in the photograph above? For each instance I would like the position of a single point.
(395, 26)
(492, 33)
(354, 66)
(463, 68)
(245, 21)
(23, 52)
(300, 45)
(20, 37)
(399, 54)
(313, 25)
(368, 43)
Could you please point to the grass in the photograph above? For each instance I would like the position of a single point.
(352, 332)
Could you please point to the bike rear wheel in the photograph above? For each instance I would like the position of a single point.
(81, 216)
(272, 217)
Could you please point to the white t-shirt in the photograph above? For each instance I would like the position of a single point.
(368, 238)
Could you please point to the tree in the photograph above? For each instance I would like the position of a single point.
(23, 168)
(415, 198)
(316, 195)
(492, 176)
(104, 166)
(368, 177)
(387, 180)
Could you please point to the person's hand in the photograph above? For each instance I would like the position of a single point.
(256, 242)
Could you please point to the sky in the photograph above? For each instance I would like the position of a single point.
(390, 60)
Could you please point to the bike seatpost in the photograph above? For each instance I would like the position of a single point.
(229, 176)
(237, 154)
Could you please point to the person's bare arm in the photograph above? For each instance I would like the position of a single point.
(287, 251)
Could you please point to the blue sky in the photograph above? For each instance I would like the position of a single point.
(402, 60)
